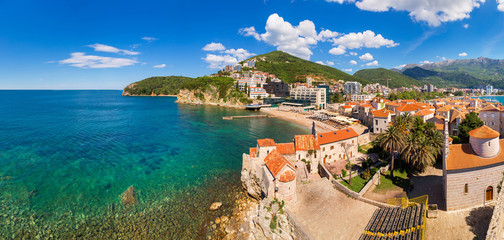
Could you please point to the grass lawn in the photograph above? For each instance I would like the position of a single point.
(357, 183)
(365, 148)
(400, 181)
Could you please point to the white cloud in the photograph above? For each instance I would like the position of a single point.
(373, 63)
(353, 62)
(353, 53)
(320, 62)
(463, 54)
(338, 50)
(214, 47)
(149, 39)
(400, 66)
(106, 48)
(325, 35)
(297, 40)
(425, 62)
(442, 58)
(500, 7)
(250, 31)
(466, 26)
(81, 60)
(330, 63)
(240, 53)
(434, 12)
(160, 66)
(326, 63)
(219, 61)
(347, 69)
(366, 39)
(366, 57)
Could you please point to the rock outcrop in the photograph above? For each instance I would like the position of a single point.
(209, 97)
(128, 197)
(251, 184)
(125, 90)
(215, 206)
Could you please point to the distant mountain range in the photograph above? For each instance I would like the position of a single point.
(450, 73)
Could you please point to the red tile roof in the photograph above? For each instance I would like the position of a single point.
(484, 132)
(285, 148)
(267, 142)
(287, 176)
(366, 105)
(330, 137)
(489, 108)
(407, 108)
(253, 152)
(276, 162)
(462, 157)
(306, 142)
(381, 113)
(345, 106)
(424, 112)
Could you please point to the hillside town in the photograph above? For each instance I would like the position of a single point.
(417, 190)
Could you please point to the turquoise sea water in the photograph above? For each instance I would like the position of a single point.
(66, 156)
(494, 98)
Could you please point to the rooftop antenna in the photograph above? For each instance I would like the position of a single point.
(384, 79)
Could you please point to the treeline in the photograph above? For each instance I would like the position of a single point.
(169, 85)
(415, 95)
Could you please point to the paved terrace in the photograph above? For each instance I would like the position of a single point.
(326, 213)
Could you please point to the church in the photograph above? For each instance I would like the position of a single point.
(473, 171)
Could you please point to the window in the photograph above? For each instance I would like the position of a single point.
(307, 155)
(466, 188)
(376, 122)
(489, 144)
(484, 115)
(323, 149)
(267, 152)
(332, 147)
(493, 115)
(352, 141)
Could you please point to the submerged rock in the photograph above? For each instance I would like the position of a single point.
(215, 206)
(128, 197)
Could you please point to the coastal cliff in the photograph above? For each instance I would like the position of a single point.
(210, 96)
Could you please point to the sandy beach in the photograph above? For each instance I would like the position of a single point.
(300, 119)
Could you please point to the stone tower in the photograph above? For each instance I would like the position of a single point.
(314, 130)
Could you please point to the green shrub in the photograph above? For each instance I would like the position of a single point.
(273, 223)
(343, 172)
(366, 175)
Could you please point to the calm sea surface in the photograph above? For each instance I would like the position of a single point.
(494, 98)
(66, 157)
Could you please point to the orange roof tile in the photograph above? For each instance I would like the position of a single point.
(462, 157)
(287, 176)
(267, 142)
(253, 152)
(305, 143)
(392, 104)
(366, 105)
(445, 108)
(409, 101)
(407, 108)
(439, 126)
(423, 113)
(345, 106)
(381, 113)
(489, 108)
(330, 137)
(285, 148)
(276, 162)
(484, 132)
(456, 114)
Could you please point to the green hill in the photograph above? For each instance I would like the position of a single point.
(444, 79)
(293, 69)
(396, 79)
(169, 85)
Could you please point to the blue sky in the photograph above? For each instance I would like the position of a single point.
(109, 44)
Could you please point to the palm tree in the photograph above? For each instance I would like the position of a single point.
(392, 141)
(419, 153)
(404, 122)
(436, 140)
